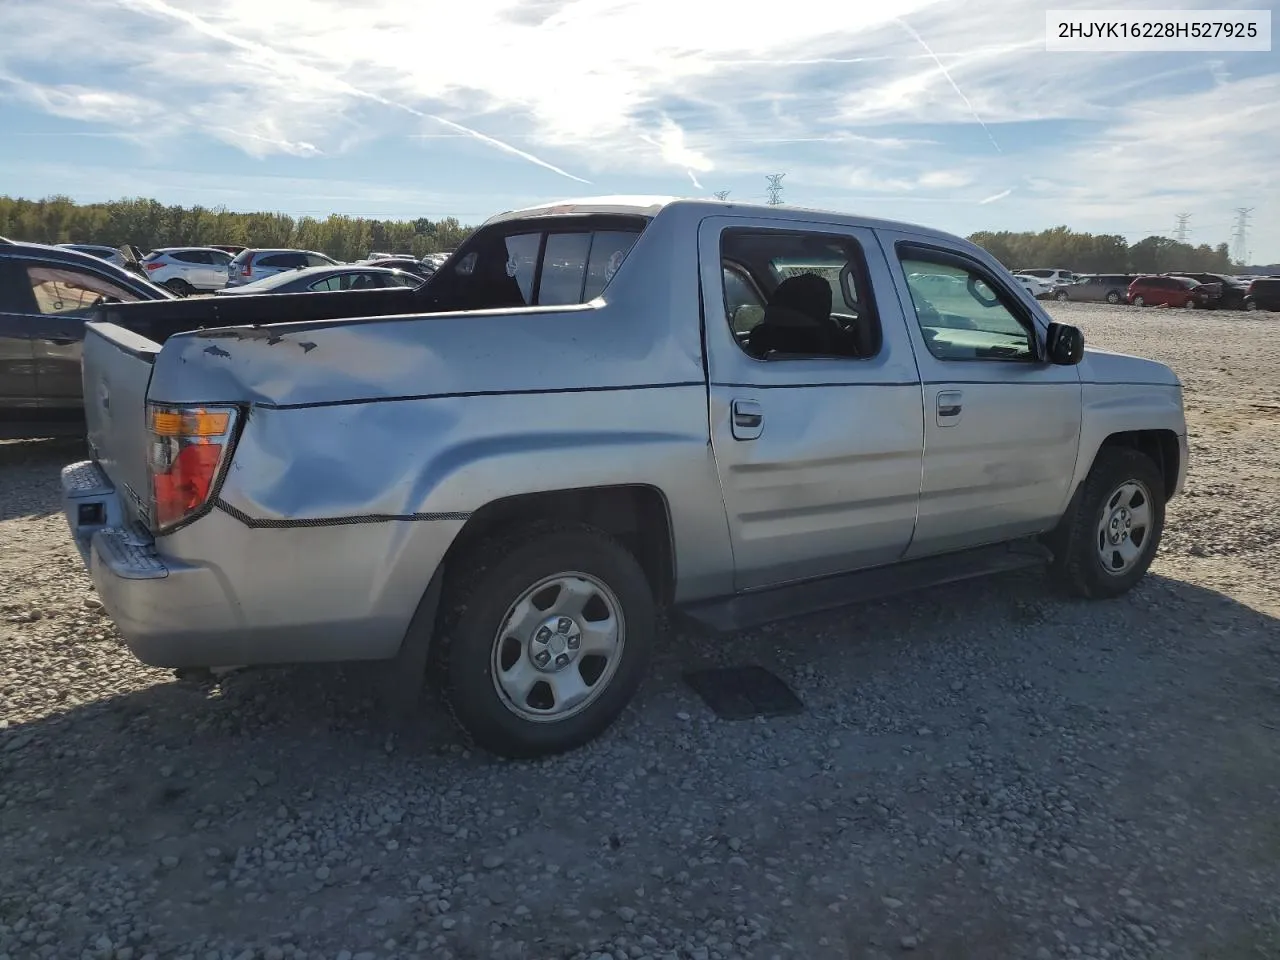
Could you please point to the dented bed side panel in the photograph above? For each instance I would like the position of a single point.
(418, 463)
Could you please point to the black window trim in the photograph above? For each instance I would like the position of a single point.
(948, 256)
(858, 268)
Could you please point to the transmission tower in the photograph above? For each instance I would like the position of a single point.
(1240, 237)
(722, 194)
(775, 188)
(1180, 234)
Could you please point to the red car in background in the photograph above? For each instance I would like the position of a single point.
(1172, 292)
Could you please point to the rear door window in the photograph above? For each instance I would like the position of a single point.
(70, 292)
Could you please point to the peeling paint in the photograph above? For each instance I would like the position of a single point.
(215, 351)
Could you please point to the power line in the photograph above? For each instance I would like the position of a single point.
(1180, 234)
(1240, 237)
(775, 188)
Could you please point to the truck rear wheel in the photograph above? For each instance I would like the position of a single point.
(547, 637)
(1106, 544)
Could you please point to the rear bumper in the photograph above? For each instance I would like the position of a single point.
(170, 614)
(277, 596)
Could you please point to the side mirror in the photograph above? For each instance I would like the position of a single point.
(1064, 345)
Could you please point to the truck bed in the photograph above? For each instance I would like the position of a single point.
(160, 319)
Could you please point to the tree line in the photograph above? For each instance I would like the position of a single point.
(149, 224)
(1066, 249)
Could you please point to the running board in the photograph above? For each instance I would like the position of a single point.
(746, 610)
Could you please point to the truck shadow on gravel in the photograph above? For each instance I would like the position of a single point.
(978, 752)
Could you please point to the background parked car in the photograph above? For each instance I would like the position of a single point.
(1169, 292)
(1232, 291)
(1034, 285)
(99, 250)
(1099, 288)
(1048, 276)
(407, 264)
(231, 248)
(46, 293)
(1263, 294)
(250, 265)
(186, 270)
(328, 280)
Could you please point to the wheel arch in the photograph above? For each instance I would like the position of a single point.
(1160, 445)
(638, 515)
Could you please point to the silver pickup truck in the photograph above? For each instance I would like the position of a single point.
(602, 410)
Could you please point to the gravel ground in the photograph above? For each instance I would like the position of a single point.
(984, 771)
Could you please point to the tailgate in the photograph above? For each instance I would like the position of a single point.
(117, 372)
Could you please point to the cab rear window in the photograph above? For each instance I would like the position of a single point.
(527, 264)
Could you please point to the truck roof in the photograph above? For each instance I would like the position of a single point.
(644, 205)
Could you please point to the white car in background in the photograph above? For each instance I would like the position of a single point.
(1045, 275)
(188, 270)
(1035, 286)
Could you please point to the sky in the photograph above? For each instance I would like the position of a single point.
(949, 113)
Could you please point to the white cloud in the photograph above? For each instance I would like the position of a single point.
(75, 102)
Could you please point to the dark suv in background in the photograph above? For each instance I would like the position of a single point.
(1263, 294)
(46, 293)
(1233, 291)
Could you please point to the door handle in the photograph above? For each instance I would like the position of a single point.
(748, 419)
(949, 407)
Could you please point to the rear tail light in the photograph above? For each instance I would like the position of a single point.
(155, 265)
(189, 449)
(246, 269)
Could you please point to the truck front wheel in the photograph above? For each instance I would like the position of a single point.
(1107, 542)
(546, 638)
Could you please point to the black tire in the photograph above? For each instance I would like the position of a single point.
(1113, 297)
(1251, 305)
(480, 588)
(179, 287)
(1139, 301)
(1078, 565)
(1060, 296)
